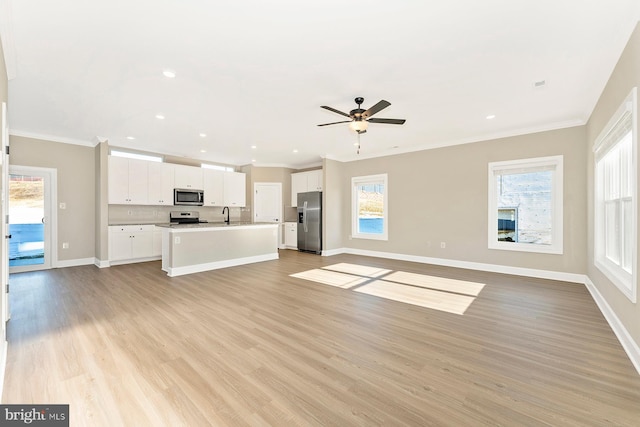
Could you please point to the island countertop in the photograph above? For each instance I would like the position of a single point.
(201, 225)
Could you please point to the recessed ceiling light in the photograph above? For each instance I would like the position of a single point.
(253, 147)
(253, 160)
(203, 151)
(159, 117)
(131, 138)
(491, 116)
(169, 73)
(356, 144)
(202, 135)
(295, 151)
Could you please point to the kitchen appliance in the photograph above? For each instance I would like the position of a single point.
(310, 222)
(188, 217)
(188, 197)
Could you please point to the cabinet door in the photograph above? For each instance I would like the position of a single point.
(119, 244)
(161, 183)
(298, 185)
(157, 242)
(314, 180)
(142, 244)
(138, 182)
(213, 186)
(118, 180)
(291, 234)
(188, 177)
(235, 189)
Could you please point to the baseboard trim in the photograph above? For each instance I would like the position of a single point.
(198, 268)
(101, 263)
(493, 268)
(75, 262)
(629, 345)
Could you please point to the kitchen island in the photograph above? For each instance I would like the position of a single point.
(193, 248)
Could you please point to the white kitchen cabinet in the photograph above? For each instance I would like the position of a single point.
(131, 242)
(213, 186)
(161, 183)
(291, 235)
(235, 189)
(128, 181)
(189, 177)
(303, 182)
(156, 250)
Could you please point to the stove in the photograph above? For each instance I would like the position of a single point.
(188, 217)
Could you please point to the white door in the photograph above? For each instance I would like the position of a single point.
(268, 202)
(32, 219)
(4, 227)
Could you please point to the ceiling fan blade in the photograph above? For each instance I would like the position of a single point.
(379, 106)
(334, 110)
(335, 123)
(387, 121)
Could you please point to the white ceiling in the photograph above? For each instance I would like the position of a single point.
(256, 72)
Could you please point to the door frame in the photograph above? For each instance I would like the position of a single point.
(50, 176)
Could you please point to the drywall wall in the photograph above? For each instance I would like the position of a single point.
(625, 76)
(440, 195)
(76, 188)
(101, 199)
(333, 204)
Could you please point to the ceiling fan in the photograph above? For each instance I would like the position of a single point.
(360, 118)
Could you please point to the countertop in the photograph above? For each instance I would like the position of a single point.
(215, 224)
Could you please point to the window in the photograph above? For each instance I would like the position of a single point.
(217, 167)
(615, 218)
(131, 155)
(525, 205)
(369, 210)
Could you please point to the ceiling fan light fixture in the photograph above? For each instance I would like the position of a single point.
(359, 125)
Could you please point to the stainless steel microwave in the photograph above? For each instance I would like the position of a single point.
(188, 197)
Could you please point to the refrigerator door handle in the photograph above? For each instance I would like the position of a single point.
(304, 217)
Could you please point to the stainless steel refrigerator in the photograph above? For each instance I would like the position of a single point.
(310, 222)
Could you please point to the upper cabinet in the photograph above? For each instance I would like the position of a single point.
(213, 186)
(128, 181)
(161, 183)
(188, 177)
(303, 182)
(235, 184)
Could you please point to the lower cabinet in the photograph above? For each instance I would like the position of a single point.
(291, 235)
(133, 242)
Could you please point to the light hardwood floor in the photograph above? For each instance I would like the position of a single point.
(251, 345)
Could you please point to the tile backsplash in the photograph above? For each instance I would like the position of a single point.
(137, 214)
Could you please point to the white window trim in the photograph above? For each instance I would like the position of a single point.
(625, 282)
(355, 181)
(556, 247)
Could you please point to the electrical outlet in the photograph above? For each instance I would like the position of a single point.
(443, 245)
(177, 240)
(129, 212)
(65, 245)
(63, 205)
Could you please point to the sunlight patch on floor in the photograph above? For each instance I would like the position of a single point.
(331, 278)
(438, 293)
(437, 283)
(438, 300)
(358, 270)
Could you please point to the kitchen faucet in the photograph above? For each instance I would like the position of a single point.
(227, 209)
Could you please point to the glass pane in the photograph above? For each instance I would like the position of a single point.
(528, 197)
(627, 236)
(625, 166)
(611, 164)
(371, 208)
(612, 243)
(26, 211)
